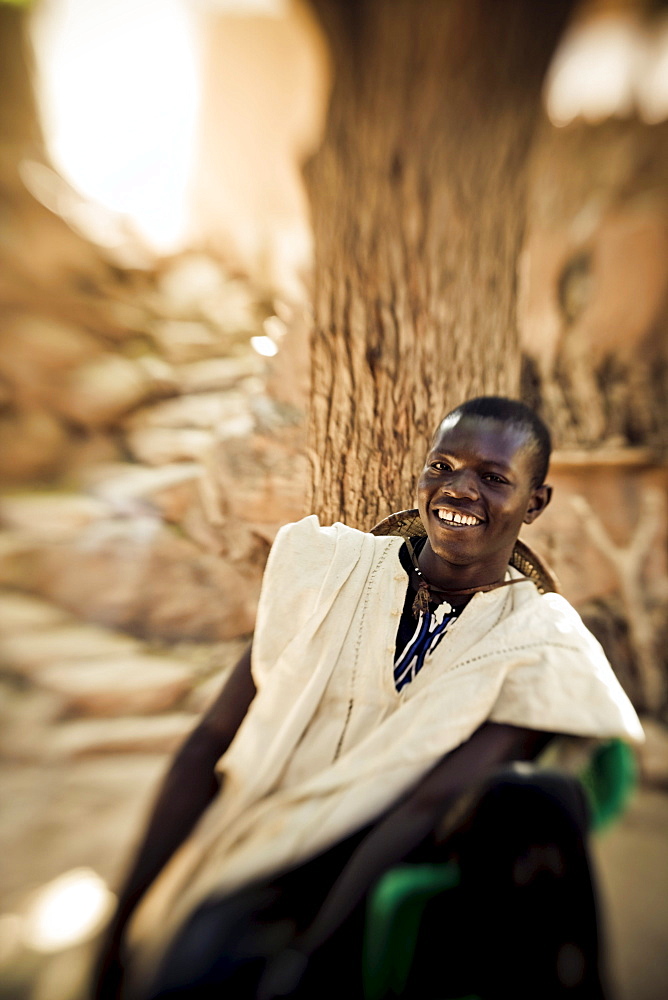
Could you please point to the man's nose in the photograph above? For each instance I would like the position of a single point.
(462, 483)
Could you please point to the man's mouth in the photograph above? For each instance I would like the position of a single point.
(457, 518)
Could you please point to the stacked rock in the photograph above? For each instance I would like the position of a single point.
(146, 467)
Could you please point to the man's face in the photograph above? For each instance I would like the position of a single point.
(476, 491)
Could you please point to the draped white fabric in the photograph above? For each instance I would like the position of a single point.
(328, 743)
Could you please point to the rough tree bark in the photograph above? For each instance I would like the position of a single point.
(20, 131)
(418, 199)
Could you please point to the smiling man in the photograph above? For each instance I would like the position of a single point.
(483, 479)
(390, 675)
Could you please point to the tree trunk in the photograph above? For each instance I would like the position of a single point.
(19, 124)
(418, 199)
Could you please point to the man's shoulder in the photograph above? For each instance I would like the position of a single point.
(309, 530)
(307, 546)
(549, 617)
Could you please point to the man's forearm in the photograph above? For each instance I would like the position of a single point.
(190, 784)
(187, 790)
(388, 842)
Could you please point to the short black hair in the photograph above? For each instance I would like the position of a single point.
(513, 411)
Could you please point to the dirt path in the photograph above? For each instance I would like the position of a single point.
(633, 871)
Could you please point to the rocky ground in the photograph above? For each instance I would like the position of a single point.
(89, 718)
(632, 863)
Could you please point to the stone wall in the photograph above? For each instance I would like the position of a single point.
(140, 448)
(148, 456)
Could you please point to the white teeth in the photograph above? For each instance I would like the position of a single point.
(456, 518)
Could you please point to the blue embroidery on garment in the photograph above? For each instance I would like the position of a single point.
(429, 631)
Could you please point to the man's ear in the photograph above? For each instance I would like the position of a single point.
(538, 501)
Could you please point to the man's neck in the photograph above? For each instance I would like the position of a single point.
(454, 577)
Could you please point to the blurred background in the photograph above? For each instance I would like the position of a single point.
(250, 252)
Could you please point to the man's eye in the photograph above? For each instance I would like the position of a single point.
(440, 466)
(493, 478)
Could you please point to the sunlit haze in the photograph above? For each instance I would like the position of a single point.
(610, 67)
(118, 90)
(67, 910)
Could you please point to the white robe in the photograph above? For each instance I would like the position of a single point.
(328, 743)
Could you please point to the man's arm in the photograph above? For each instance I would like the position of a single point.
(188, 788)
(402, 829)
